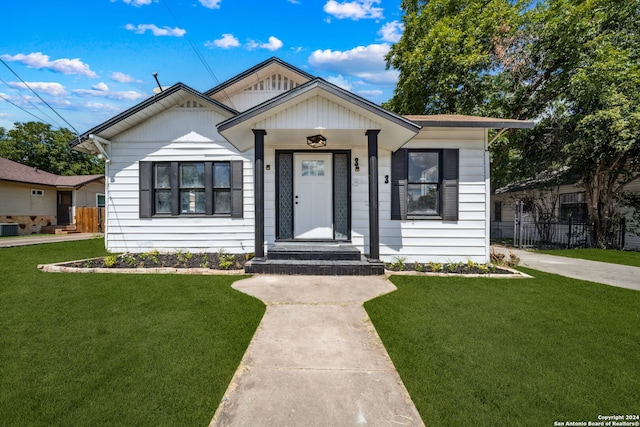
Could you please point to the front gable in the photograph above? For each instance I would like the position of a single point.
(318, 107)
(189, 121)
(265, 81)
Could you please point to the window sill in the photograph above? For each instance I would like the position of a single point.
(424, 217)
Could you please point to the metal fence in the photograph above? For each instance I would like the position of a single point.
(565, 234)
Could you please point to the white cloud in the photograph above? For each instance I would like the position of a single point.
(157, 31)
(365, 62)
(102, 86)
(357, 9)
(273, 44)
(129, 95)
(122, 77)
(293, 1)
(52, 88)
(340, 81)
(39, 61)
(136, 3)
(391, 31)
(370, 93)
(227, 41)
(210, 4)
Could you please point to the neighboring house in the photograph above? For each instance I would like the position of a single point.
(277, 155)
(557, 197)
(33, 198)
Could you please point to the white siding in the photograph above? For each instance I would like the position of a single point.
(437, 240)
(179, 134)
(317, 112)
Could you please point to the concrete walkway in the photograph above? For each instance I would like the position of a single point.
(52, 238)
(622, 276)
(316, 359)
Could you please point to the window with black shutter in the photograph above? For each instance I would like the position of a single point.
(191, 189)
(424, 184)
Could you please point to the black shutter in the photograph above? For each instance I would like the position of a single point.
(145, 176)
(399, 184)
(450, 174)
(236, 188)
(175, 189)
(208, 188)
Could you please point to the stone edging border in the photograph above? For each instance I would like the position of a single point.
(61, 268)
(515, 274)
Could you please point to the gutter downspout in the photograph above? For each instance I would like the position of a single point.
(97, 141)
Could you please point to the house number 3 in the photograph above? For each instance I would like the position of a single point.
(356, 164)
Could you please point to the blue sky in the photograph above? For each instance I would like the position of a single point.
(93, 59)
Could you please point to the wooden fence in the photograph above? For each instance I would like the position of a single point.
(90, 220)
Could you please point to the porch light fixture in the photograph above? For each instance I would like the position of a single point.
(316, 141)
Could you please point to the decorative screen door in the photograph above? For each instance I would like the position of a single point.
(312, 198)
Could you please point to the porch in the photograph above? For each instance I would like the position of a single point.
(315, 258)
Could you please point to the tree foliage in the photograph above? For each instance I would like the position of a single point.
(573, 66)
(36, 144)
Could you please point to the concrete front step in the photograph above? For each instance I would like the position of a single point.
(362, 267)
(314, 251)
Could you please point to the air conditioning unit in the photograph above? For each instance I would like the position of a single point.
(7, 229)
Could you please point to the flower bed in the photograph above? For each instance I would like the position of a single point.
(154, 259)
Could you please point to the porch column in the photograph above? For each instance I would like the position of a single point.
(258, 179)
(374, 221)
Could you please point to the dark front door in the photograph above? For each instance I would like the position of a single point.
(313, 195)
(64, 207)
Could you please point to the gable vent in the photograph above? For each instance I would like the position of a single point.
(275, 82)
(191, 104)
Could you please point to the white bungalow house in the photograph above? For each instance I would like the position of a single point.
(276, 157)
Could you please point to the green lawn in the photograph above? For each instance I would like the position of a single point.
(114, 349)
(526, 352)
(603, 255)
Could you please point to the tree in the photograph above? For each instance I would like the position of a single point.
(571, 65)
(448, 54)
(36, 144)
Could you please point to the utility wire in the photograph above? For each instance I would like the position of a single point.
(198, 53)
(16, 105)
(39, 97)
(31, 103)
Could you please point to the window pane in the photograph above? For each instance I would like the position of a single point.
(423, 167)
(163, 176)
(221, 175)
(320, 168)
(423, 199)
(222, 202)
(192, 175)
(163, 202)
(305, 168)
(192, 201)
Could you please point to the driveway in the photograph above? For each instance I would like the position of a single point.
(622, 276)
(53, 238)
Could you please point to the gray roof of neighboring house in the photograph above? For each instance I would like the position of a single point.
(548, 178)
(17, 172)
